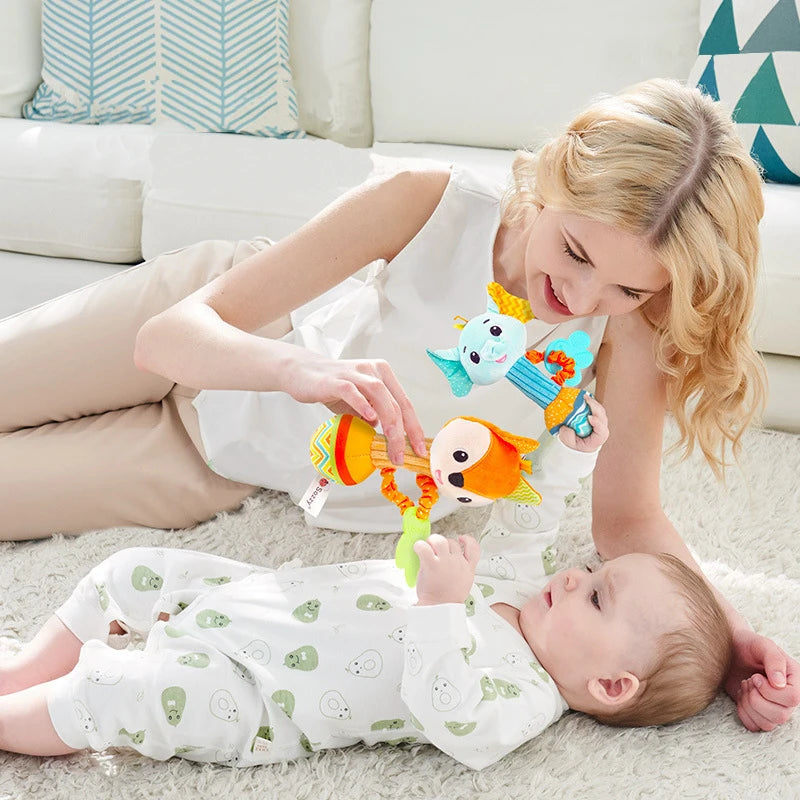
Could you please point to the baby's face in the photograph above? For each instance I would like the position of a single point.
(598, 624)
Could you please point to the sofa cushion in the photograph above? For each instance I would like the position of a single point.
(210, 66)
(20, 54)
(328, 51)
(205, 186)
(749, 57)
(73, 191)
(512, 72)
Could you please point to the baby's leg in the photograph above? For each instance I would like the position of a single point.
(25, 724)
(128, 591)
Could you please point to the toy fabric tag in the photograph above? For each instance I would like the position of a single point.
(261, 745)
(315, 496)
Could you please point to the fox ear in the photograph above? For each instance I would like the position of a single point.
(522, 444)
(450, 364)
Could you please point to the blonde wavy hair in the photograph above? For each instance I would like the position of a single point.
(691, 663)
(663, 161)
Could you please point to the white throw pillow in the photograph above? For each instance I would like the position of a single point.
(20, 54)
(328, 50)
(510, 73)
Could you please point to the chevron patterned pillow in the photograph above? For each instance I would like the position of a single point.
(209, 65)
(749, 57)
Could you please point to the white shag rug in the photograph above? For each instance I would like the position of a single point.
(746, 534)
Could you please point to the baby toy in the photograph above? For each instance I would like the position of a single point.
(470, 460)
(492, 346)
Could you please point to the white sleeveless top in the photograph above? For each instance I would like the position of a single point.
(399, 310)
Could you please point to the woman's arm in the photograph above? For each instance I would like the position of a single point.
(627, 515)
(206, 341)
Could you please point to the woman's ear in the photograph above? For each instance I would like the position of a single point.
(614, 692)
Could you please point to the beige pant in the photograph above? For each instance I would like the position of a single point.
(87, 441)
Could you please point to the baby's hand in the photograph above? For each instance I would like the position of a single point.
(446, 569)
(592, 442)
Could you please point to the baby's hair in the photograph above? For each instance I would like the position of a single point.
(663, 161)
(691, 663)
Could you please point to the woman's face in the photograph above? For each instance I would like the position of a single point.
(576, 267)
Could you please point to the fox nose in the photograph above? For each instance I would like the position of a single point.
(457, 479)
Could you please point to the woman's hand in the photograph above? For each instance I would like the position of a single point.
(446, 569)
(763, 681)
(594, 441)
(365, 387)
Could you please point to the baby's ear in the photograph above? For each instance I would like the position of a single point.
(614, 692)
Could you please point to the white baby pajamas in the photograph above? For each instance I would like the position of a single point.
(256, 666)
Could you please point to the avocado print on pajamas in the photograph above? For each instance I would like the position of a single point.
(372, 602)
(265, 735)
(136, 738)
(284, 699)
(243, 673)
(257, 650)
(173, 701)
(308, 611)
(104, 677)
(333, 705)
(416, 723)
(486, 590)
(502, 568)
(194, 660)
(401, 741)
(353, 570)
(413, 658)
(304, 658)
(468, 652)
(367, 665)
(506, 689)
(549, 560)
(469, 603)
(444, 696)
(460, 728)
(540, 671)
(223, 706)
(305, 744)
(398, 634)
(487, 687)
(145, 580)
(85, 719)
(173, 633)
(208, 618)
(387, 725)
(102, 595)
(217, 581)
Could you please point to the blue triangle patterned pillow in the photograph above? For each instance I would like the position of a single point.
(209, 65)
(749, 57)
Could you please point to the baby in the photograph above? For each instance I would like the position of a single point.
(244, 665)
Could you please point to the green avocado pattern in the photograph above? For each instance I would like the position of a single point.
(460, 728)
(208, 618)
(402, 740)
(136, 738)
(102, 595)
(303, 658)
(549, 560)
(284, 699)
(488, 688)
(308, 611)
(387, 725)
(540, 671)
(173, 701)
(486, 590)
(145, 580)
(217, 581)
(198, 660)
(372, 602)
(506, 689)
(173, 633)
(469, 603)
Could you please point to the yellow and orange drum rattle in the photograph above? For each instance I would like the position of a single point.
(471, 460)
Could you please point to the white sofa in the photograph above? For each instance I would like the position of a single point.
(460, 80)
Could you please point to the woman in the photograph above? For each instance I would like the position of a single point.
(642, 215)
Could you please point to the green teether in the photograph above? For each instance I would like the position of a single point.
(414, 529)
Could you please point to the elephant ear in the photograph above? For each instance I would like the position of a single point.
(525, 493)
(509, 304)
(450, 364)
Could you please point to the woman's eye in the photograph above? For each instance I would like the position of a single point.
(630, 293)
(596, 599)
(572, 254)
